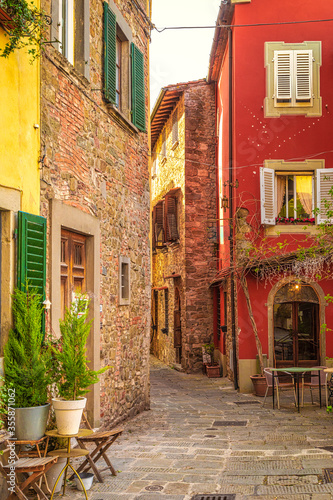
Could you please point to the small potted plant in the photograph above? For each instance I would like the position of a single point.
(27, 366)
(212, 368)
(72, 375)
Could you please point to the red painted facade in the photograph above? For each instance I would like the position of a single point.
(257, 138)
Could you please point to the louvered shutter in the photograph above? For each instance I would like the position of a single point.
(175, 127)
(158, 224)
(303, 64)
(138, 89)
(171, 226)
(324, 197)
(109, 54)
(31, 252)
(267, 196)
(283, 71)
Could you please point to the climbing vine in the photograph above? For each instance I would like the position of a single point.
(25, 26)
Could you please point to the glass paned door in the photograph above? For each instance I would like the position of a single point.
(283, 332)
(296, 340)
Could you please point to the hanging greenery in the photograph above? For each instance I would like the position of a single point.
(25, 26)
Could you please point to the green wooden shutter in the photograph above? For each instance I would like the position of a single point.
(31, 252)
(109, 54)
(138, 89)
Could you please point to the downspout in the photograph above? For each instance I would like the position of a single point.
(231, 212)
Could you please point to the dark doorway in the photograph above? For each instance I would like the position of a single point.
(177, 327)
(296, 326)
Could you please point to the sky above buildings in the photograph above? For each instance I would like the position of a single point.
(180, 55)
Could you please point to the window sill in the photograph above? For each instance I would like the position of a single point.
(121, 118)
(291, 228)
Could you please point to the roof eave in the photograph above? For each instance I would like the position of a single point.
(224, 17)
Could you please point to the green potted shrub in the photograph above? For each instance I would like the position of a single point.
(27, 366)
(211, 368)
(73, 377)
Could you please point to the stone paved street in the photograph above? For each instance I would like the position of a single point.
(201, 436)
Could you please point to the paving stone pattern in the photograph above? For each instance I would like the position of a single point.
(166, 454)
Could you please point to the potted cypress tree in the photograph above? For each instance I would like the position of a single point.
(27, 366)
(72, 374)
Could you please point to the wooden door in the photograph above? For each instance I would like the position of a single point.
(73, 267)
(177, 330)
(296, 334)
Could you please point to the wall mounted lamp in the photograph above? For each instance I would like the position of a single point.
(224, 203)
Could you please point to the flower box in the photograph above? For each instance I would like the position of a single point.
(291, 220)
(213, 371)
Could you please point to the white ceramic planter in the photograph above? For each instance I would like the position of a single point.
(68, 415)
(52, 475)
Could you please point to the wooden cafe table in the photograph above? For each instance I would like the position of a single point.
(295, 372)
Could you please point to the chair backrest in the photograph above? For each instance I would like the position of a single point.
(314, 375)
(269, 377)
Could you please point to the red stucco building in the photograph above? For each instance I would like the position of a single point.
(274, 115)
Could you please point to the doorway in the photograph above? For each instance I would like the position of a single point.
(177, 330)
(296, 326)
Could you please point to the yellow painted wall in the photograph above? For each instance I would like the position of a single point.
(20, 140)
(170, 174)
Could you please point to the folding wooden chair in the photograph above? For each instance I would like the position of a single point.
(102, 440)
(31, 469)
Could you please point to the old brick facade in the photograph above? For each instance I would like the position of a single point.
(183, 267)
(95, 183)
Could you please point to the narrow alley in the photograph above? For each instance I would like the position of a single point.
(202, 437)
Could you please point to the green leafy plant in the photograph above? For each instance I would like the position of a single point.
(26, 359)
(3, 402)
(73, 377)
(209, 348)
(26, 27)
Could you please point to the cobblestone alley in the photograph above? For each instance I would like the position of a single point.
(202, 437)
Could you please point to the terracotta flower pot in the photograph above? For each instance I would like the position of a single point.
(213, 371)
(260, 385)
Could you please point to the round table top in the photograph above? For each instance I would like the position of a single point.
(63, 453)
(81, 433)
(328, 370)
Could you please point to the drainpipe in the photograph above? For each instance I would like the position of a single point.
(231, 213)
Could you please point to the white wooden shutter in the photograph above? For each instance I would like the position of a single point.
(324, 198)
(267, 196)
(282, 73)
(303, 70)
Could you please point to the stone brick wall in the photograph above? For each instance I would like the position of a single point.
(97, 161)
(193, 258)
(200, 222)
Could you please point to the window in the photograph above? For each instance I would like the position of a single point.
(293, 78)
(165, 330)
(119, 51)
(70, 29)
(175, 129)
(118, 73)
(154, 170)
(66, 9)
(165, 221)
(124, 280)
(288, 191)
